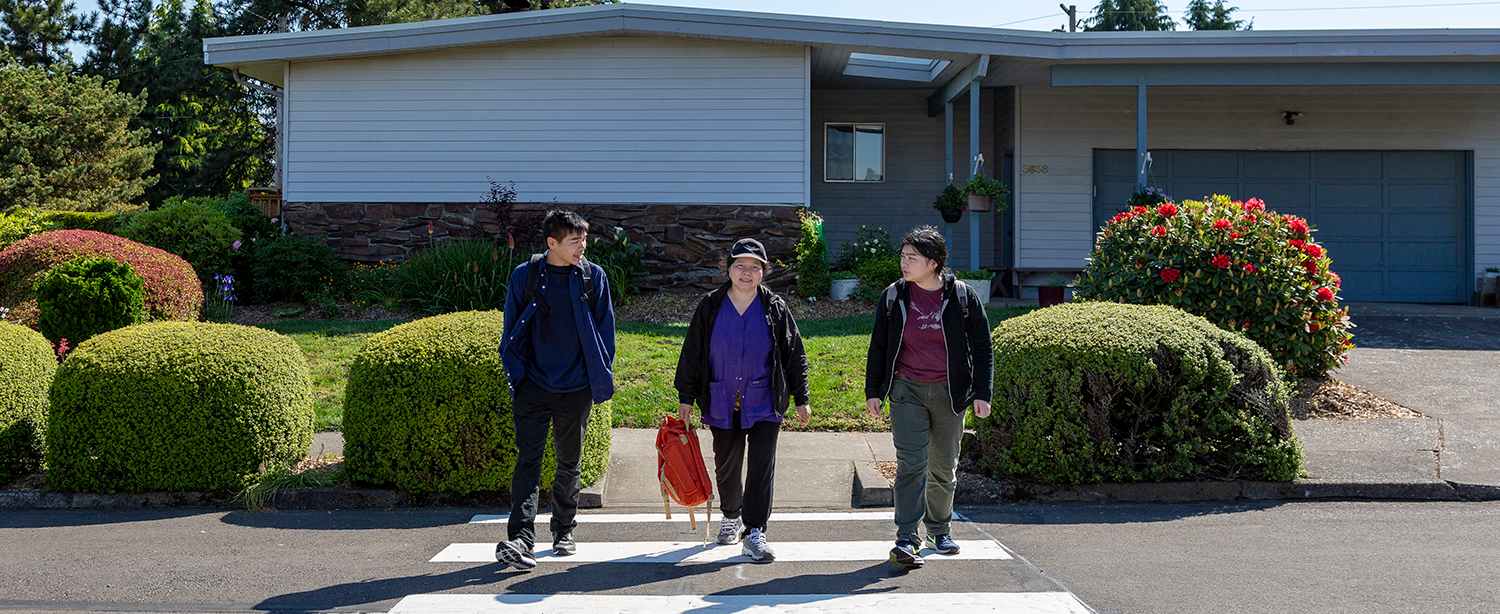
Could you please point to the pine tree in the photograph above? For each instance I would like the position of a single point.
(1129, 16)
(114, 44)
(1203, 16)
(37, 32)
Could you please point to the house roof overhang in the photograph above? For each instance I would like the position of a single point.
(1017, 56)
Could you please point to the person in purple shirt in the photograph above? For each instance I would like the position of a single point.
(741, 362)
(930, 354)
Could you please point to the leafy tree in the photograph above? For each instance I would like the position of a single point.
(1204, 16)
(1129, 16)
(66, 142)
(37, 32)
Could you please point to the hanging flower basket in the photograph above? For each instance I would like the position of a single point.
(982, 193)
(978, 203)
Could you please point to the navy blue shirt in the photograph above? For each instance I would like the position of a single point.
(557, 356)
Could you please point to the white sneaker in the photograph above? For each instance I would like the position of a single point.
(755, 546)
(729, 531)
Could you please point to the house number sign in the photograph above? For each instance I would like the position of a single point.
(1034, 169)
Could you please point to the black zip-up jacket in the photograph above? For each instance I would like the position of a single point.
(971, 362)
(788, 359)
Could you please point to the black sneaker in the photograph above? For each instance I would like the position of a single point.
(563, 545)
(942, 544)
(515, 553)
(906, 554)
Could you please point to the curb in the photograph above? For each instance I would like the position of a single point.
(871, 489)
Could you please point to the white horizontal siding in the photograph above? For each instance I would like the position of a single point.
(590, 120)
(1061, 127)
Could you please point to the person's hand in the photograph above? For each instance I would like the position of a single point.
(873, 407)
(685, 413)
(981, 409)
(804, 413)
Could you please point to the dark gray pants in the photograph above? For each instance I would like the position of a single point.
(567, 413)
(753, 497)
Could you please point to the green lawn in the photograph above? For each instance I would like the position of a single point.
(645, 361)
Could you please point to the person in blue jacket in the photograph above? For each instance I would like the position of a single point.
(558, 351)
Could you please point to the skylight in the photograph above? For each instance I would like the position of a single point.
(894, 67)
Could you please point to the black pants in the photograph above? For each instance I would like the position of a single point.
(567, 413)
(753, 498)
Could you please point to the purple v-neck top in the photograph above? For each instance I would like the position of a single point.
(739, 354)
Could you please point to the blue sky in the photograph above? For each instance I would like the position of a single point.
(1045, 14)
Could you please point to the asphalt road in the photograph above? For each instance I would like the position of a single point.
(1260, 557)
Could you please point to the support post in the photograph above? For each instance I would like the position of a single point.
(948, 161)
(973, 155)
(1140, 133)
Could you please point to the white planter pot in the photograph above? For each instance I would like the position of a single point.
(840, 289)
(981, 288)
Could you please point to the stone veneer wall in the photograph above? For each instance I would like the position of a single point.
(685, 245)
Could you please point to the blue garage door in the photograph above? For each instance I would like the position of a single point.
(1396, 223)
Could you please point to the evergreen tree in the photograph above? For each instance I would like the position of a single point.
(1129, 16)
(115, 43)
(37, 32)
(1203, 16)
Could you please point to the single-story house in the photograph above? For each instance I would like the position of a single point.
(690, 127)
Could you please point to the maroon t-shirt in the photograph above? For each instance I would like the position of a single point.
(924, 353)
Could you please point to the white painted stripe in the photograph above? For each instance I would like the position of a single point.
(679, 515)
(695, 552)
(948, 603)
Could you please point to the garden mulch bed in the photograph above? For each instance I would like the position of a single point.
(678, 307)
(252, 315)
(1330, 399)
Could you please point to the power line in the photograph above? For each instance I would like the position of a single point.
(1011, 23)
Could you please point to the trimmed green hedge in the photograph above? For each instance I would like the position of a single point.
(177, 406)
(172, 288)
(1104, 392)
(26, 368)
(88, 296)
(427, 409)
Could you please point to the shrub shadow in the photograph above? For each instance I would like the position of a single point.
(1108, 513)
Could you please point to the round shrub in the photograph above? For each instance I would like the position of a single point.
(427, 409)
(172, 289)
(1105, 392)
(177, 406)
(195, 230)
(88, 296)
(1242, 267)
(26, 368)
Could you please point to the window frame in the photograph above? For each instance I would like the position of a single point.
(855, 125)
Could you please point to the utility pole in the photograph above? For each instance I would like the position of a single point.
(1072, 11)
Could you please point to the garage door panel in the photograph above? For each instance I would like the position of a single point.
(1421, 256)
(1347, 165)
(1358, 285)
(1205, 164)
(1351, 254)
(1422, 286)
(1362, 197)
(1115, 163)
(1426, 197)
(1277, 165)
(1289, 198)
(1432, 225)
(1350, 225)
(1421, 165)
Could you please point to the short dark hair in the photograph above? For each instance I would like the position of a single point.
(560, 223)
(929, 243)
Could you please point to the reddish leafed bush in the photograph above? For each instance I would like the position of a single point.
(172, 290)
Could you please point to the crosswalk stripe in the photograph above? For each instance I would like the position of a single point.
(949, 603)
(679, 515)
(695, 552)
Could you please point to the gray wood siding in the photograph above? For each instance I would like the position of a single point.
(1060, 128)
(913, 167)
(591, 120)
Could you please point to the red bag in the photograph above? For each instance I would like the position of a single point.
(679, 466)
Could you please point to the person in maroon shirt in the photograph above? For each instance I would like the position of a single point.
(930, 353)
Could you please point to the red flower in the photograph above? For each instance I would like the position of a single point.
(1245, 326)
(1313, 325)
(1254, 204)
(1159, 231)
(1313, 250)
(1311, 266)
(1222, 224)
(1234, 235)
(1299, 226)
(1170, 275)
(1167, 209)
(1337, 282)
(1297, 243)
(1249, 268)
(1124, 215)
(1137, 210)
(1249, 217)
(1222, 261)
(1325, 294)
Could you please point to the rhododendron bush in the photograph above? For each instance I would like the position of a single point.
(1235, 263)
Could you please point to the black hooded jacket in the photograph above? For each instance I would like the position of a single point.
(971, 361)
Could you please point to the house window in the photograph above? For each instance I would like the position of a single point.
(854, 152)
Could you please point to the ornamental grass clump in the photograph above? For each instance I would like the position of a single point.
(428, 409)
(1244, 268)
(172, 291)
(27, 364)
(177, 406)
(1105, 392)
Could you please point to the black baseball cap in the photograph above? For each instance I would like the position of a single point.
(748, 248)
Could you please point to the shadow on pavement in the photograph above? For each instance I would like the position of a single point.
(376, 591)
(1109, 513)
(352, 520)
(46, 518)
(1427, 332)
